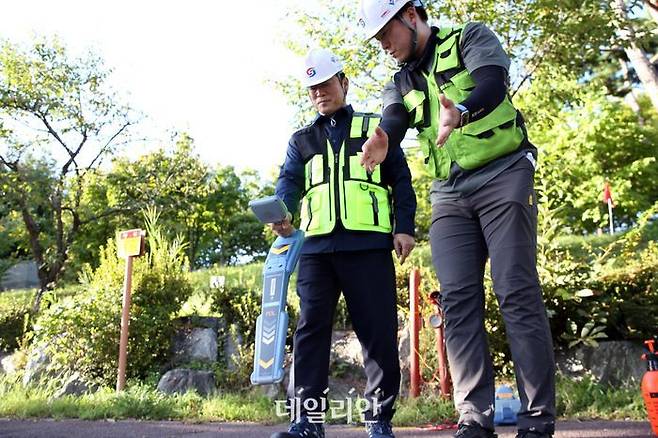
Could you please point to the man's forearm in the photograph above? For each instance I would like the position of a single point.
(489, 92)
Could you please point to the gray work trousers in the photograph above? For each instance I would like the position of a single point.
(499, 221)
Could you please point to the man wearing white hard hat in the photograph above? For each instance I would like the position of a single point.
(452, 88)
(352, 219)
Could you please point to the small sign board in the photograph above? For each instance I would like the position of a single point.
(130, 243)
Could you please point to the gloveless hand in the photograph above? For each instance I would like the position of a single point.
(403, 244)
(449, 119)
(283, 228)
(374, 149)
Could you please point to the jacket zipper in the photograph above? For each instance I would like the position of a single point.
(310, 213)
(375, 208)
(336, 182)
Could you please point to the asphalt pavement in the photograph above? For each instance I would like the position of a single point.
(48, 428)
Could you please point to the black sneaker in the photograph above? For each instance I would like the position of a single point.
(474, 430)
(532, 433)
(379, 429)
(302, 429)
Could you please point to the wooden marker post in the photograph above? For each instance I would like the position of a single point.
(607, 198)
(414, 329)
(130, 244)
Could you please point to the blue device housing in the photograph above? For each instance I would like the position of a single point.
(506, 406)
(272, 323)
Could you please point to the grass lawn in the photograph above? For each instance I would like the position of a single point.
(575, 400)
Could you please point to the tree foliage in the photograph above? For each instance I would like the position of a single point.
(208, 206)
(537, 34)
(59, 121)
(597, 138)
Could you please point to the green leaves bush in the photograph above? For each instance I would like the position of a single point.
(12, 322)
(15, 310)
(240, 307)
(82, 332)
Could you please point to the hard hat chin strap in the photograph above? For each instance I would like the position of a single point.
(340, 75)
(414, 37)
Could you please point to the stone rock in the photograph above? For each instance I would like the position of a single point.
(214, 323)
(345, 348)
(23, 275)
(37, 365)
(287, 367)
(403, 320)
(8, 363)
(74, 385)
(347, 377)
(348, 386)
(404, 347)
(181, 380)
(195, 344)
(273, 391)
(612, 363)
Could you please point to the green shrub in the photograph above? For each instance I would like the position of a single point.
(240, 307)
(12, 323)
(236, 276)
(620, 299)
(15, 307)
(610, 289)
(587, 399)
(15, 298)
(82, 331)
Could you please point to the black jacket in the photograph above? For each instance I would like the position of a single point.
(395, 173)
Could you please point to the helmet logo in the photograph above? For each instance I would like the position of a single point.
(310, 72)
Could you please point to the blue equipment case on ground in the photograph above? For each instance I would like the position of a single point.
(506, 406)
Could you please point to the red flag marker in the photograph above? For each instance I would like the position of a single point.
(607, 194)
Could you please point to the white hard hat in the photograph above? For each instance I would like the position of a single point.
(320, 65)
(374, 14)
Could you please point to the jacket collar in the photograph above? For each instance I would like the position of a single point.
(340, 116)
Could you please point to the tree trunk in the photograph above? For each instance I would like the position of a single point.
(37, 252)
(630, 97)
(640, 62)
(645, 72)
(48, 273)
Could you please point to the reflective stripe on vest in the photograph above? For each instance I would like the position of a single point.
(473, 145)
(363, 200)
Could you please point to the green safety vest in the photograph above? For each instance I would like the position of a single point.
(337, 186)
(473, 145)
